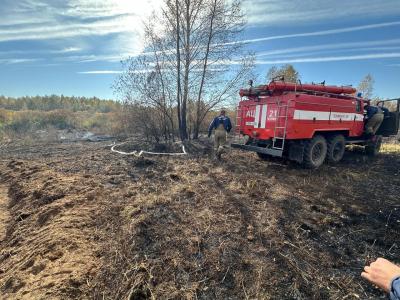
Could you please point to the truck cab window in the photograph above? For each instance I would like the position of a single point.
(358, 106)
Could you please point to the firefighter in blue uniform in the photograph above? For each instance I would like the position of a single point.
(222, 126)
(374, 118)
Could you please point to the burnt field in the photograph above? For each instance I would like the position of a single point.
(79, 221)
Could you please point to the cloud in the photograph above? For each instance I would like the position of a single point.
(42, 51)
(121, 56)
(330, 46)
(11, 61)
(47, 19)
(320, 33)
(74, 26)
(329, 58)
(69, 50)
(100, 72)
(59, 31)
(95, 57)
(273, 12)
(333, 51)
(279, 52)
(143, 71)
(59, 16)
(76, 20)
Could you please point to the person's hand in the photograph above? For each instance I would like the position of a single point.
(381, 272)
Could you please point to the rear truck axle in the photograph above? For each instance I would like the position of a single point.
(313, 152)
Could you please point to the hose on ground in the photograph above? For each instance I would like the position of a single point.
(141, 152)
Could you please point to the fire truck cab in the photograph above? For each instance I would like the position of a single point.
(307, 123)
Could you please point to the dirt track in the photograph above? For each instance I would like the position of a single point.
(88, 223)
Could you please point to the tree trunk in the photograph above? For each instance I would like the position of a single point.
(198, 121)
(178, 71)
(186, 76)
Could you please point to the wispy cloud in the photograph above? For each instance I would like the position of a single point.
(321, 32)
(46, 19)
(105, 72)
(70, 26)
(59, 31)
(69, 50)
(329, 58)
(66, 50)
(100, 72)
(75, 20)
(272, 12)
(333, 46)
(279, 52)
(334, 52)
(319, 59)
(11, 61)
(143, 71)
(95, 57)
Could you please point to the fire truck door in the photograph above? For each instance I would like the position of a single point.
(390, 125)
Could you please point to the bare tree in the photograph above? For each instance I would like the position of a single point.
(366, 86)
(145, 88)
(289, 73)
(192, 56)
(219, 77)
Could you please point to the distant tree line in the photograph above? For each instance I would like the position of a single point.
(56, 102)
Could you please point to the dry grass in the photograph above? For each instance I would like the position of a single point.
(27, 124)
(48, 247)
(192, 228)
(390, 148)
(198, 230)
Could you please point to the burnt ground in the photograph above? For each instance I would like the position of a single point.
(78, 221)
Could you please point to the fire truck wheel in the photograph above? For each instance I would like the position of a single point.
(315, 152)
(336, 147)
(373, 148)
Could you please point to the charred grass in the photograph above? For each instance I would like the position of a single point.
(194, 228)
(246, 229)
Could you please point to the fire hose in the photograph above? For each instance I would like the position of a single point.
(141, 152)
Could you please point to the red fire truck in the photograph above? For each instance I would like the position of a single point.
(307, 123)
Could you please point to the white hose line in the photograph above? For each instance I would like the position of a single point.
(138, 154)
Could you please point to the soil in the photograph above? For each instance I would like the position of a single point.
(78, 221)
(4, 216)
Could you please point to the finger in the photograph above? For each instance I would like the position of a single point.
(367, 269)
(380, 259)
(366, 276)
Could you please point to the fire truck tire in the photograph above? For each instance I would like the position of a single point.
(336, 147)
(373, 148)
(315, 152)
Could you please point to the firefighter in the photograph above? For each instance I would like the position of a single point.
(222, 126)
(374, 119)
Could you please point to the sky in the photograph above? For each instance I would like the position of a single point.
(75, 47)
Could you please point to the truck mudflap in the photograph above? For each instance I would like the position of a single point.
(296, 151)
(269, 151)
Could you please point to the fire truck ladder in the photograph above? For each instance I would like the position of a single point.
(238, 122)
(278, 141)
